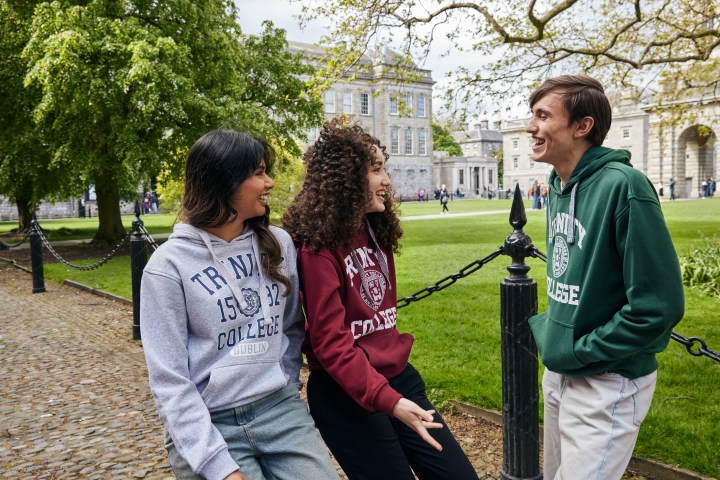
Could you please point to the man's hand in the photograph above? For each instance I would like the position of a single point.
(418, 419)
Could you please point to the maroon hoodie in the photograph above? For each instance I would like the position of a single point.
(350, 331)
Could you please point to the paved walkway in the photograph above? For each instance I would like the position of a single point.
(74, 401)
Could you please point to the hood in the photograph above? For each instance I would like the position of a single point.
(594, 159)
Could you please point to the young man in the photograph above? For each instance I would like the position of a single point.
(613, 281)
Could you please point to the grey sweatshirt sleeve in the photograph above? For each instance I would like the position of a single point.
(163, 325)
(293, 319)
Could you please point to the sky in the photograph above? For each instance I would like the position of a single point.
(283, 14)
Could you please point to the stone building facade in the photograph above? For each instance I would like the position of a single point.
(397, 113)
(475, 174)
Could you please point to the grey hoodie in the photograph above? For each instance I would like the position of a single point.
(217, 333)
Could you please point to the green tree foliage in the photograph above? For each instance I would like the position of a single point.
(443, 140)
(666, 45)
(499, 156)
(127, 85)
(24, 157)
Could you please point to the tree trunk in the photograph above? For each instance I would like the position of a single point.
(110, 229)
(25, 211)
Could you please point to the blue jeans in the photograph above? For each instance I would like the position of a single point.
(273, 438)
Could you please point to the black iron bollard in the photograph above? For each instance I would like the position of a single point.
(518, 293)
(138, 259)
(36, 257)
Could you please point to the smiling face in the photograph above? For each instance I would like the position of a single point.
(251, 197)
(551, 132)
(378, 182)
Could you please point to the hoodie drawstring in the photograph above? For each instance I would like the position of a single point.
(571, 215)
(226, 272)
(382, 259)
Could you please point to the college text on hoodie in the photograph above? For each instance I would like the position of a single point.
(217, 333)
(613, 277)
(350, 300)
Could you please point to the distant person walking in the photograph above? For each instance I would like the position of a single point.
(672, 189)
(444, 199)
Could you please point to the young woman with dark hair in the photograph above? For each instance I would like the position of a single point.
(368, 402)
(221, 326)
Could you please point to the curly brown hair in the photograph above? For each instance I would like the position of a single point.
(331, 207)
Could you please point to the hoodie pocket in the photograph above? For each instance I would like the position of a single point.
(555, 342)
(242, 383)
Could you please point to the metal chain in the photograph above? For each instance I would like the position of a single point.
(688, 342)
(95, 265)
(7, 246)
(449, 280)
(150, 240)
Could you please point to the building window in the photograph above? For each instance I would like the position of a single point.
(364, 104)
(347, 102)
(393, 105)
(461, 176)
(408, 142)
(394, 141)
(514, 143)
(531, 163)
(330, 101)
(408, 103)
(516, 163)
(313, 135)
(422, 142)
(490, 176)
(421, 106)
(626, 133)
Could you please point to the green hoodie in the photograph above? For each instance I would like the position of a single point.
(613, 277)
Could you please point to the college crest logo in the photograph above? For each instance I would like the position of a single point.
(252, 299)
(376, 283)
(560, 256)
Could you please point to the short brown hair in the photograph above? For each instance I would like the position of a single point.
(583, 96)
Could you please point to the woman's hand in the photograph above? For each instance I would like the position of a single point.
(418, 419)
(236, 476)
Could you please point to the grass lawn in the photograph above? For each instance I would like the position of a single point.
(457, 330)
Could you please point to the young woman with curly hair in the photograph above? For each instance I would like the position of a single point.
(368, 402)
(222, 326)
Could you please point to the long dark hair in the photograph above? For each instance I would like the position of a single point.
(330, 209)
(217, 163)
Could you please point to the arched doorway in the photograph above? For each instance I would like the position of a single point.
(696, 160)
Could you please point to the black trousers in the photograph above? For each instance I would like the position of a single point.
(374, 446)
